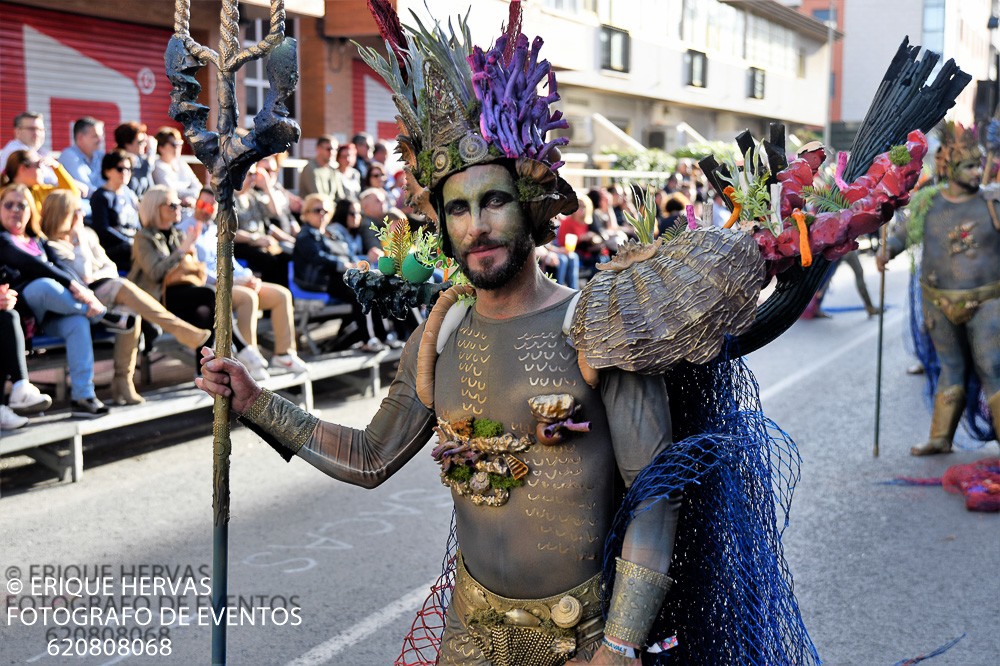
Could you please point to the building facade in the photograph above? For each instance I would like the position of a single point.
(956, 29)
(654, 73)
(71, 58)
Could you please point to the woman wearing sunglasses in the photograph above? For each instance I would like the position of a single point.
(171, 170)
(81, 253)
(160, 247)
(376, 177)
(61, 305)
(23, 168)
(320, 259)
(115, 209)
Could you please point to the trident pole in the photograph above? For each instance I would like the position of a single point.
(228, 153)
(881, 325)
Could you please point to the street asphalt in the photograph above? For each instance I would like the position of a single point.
(882, 572)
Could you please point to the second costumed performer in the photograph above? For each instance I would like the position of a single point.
(616, 486)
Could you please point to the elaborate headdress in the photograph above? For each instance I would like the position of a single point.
(460, 106)
(958, 144)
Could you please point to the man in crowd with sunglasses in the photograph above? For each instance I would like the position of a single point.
(29, 134)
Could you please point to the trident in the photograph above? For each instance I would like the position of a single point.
(228, 154)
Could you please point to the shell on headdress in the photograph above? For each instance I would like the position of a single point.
(567, 612)
(406, 149)
(472, 148)
(555, 196)
(677, 305)
(553, 407)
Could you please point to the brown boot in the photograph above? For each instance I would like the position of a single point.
(145, 306)
(948, 405)
(126, 348)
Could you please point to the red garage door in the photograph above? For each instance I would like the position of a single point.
(67, 66)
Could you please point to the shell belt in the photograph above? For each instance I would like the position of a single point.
(529, 632)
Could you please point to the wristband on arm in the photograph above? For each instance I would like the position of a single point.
(638, 595)
(283, 425)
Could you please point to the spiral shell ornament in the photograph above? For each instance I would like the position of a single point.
(441, 161)
(473, 149)
(518, 469)
(567, 612)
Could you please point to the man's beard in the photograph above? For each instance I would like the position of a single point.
(519, 248)
(967, 186)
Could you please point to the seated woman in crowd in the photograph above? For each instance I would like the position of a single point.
(60, 304)
(346, 224)
(131, 137)
(22, 168)
(160, 247)
(250, 295)
(347, 179)
(81, 254)
(605, 222)
(114, 209)
(321, 258)
(171, 170)
(577, 237)
(284, 204)
(376, 177)
(256, 241)
(25, 398)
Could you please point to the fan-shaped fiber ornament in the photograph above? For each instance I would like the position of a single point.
(677, 305)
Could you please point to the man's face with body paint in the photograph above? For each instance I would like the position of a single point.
(968, 174)
(485, 223)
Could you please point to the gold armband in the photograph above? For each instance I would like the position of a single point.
(636, 601)
(279, 418)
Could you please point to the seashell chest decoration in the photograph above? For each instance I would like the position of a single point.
(480, 461)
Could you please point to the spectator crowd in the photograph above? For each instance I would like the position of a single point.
(125, 239)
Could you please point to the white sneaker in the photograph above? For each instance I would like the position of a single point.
(27, 399)
(9, 420)
(254, 362)
(290, 362)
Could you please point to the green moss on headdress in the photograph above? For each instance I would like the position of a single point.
(528, 190)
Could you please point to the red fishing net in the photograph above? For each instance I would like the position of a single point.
(423, 642)
(979, 482)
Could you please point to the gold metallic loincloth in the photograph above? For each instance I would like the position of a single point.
(960, 305)
(529, 632)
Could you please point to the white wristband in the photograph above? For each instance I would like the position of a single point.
(626, 651)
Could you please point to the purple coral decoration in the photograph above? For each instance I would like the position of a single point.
(514, 118)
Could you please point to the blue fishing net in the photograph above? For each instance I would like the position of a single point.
(732, 599)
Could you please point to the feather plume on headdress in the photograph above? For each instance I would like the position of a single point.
(460, 106)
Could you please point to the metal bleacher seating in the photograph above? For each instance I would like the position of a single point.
(56, 440)
(313, 307)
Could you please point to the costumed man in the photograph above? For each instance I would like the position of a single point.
(960, 283)
(616, 486)
(531, 517)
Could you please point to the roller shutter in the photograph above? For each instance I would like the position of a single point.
(67, 66)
